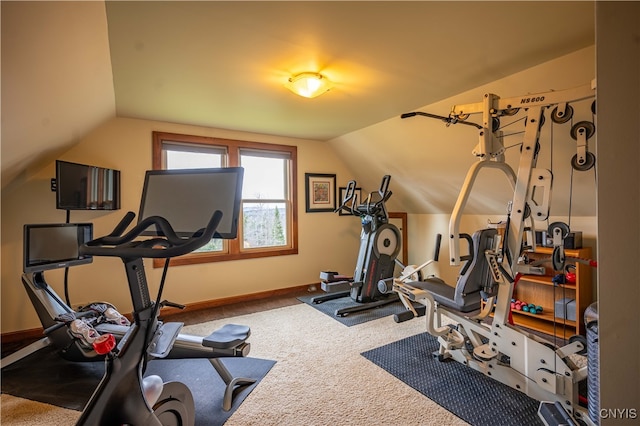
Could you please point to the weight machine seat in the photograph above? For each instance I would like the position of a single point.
(474, 277)
(227, 337)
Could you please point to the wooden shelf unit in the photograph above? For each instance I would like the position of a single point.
(540, 290)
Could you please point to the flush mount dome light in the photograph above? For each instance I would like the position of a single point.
(308, 84)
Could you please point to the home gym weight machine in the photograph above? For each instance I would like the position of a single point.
(456, 315)
(379, 247)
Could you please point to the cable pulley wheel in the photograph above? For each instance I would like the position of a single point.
(582, 340)
(586, 126)
(540, 124)
(495, 124)
(583, 164)
(510, 111)
(537, 149)
(411, 273)
(557, 259)
(561, 117)
(593, 107)
(564, 228)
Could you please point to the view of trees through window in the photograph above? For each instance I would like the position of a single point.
(264, 190)
(263, 225)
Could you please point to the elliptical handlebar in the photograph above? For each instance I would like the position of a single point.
(368, 207)
(384, 186)
(171, 245)
(350, 198)
(375, 207)
(436, 254)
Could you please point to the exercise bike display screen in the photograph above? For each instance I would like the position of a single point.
(55, 245)
(187, 198)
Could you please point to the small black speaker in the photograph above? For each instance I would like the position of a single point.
(573, 240)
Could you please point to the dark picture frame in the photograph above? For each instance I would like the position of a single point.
(341, 192)
(320, 192)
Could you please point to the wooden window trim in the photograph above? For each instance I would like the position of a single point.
(233, 158)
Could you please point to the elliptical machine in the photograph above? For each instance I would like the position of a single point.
(379, 246)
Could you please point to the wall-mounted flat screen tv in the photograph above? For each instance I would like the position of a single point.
(84, 187)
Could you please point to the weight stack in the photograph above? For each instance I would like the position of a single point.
(593, 362)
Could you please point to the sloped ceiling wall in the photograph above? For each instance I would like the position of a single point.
(222, 64)
(428, 161)
(57, 83)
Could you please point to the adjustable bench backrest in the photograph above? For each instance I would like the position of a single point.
(474, 277)
(475, 274)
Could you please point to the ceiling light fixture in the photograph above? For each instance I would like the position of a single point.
(308, 84)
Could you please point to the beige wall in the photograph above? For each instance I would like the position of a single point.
(618, 65)
(326, 240)
(125, 144)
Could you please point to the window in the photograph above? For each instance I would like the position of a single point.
(268, 218)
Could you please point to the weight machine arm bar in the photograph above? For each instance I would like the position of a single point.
(490, 145)
(449, 120)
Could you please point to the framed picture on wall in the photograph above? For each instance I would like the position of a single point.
(341, 193)
(320, 192)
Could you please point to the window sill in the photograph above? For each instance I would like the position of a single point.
(205, 258)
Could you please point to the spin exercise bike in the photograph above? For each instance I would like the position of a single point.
(379, 246)
(55, 245)
(124, 396)
(498, 348)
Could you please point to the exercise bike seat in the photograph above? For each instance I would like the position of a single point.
(227, 337)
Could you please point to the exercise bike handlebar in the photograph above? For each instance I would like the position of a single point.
(170, 245)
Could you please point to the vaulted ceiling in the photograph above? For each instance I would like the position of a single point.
(67, 67)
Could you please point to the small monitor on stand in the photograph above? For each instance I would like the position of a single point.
(55, 245)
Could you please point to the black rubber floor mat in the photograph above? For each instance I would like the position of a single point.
(330, 307)
(45, 377)
(469, 394)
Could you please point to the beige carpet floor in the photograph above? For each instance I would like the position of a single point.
(320, 378)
